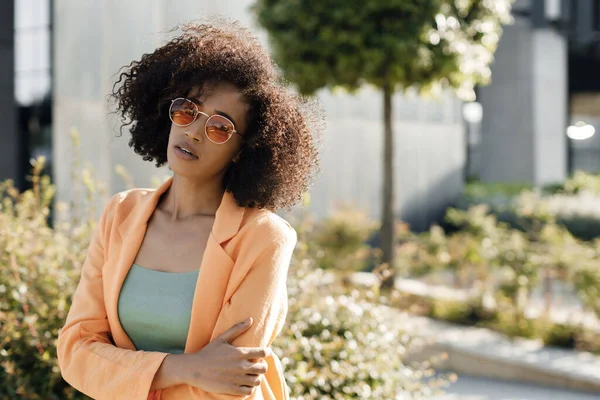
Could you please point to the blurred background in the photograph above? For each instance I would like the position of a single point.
(496, 211)
(60, 59)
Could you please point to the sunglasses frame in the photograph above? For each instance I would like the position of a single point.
(208, 117)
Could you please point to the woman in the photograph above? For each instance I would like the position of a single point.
(171, 274)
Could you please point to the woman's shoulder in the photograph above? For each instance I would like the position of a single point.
(131, 197)
(267, 225)
(121, 203)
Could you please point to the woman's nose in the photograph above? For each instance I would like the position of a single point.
(195, 131)
(193, 136)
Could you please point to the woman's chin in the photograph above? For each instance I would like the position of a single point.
(181, 168)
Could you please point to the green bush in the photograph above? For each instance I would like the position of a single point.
(477, 189)
(337, 344)
(586, 281)
(506, 264)
(40, 267)
(339, 241)
(461, 312)
(573, 204)
(560, 335)
(343, 344)
(578, 183)
(569, 336)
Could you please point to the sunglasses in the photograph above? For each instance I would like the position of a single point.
(217, 128)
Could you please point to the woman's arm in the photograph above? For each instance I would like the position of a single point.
(170, 373)
(262, 295)
(88, 360)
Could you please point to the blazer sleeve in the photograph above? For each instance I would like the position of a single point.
(87, 358)
(262, 295)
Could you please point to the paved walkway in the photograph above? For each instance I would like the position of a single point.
(521, 351)
(485, 353)
(471, 388)
(527, 360)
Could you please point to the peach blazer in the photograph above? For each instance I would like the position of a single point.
(243, 273)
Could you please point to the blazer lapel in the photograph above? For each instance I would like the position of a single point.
(208, 298)
(215, 270)
(122, 252)
(215, 267)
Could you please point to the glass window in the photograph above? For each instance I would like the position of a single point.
(32, 50)
(33, 77)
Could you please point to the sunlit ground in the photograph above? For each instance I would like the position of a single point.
(471, 388)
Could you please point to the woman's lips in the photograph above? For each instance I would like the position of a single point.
(185, 152)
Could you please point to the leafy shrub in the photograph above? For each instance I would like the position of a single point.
(343, 344)
(514, 324)
(588, 340)
(461, 312)
(339, 241)
(503, 263)
(480, 190)
(578, 183)
(40, 267)
(586, 280)
(338, 344)
(573, 204)
(421, 255)
(559, 335)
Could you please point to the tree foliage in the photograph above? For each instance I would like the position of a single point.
(427, 44)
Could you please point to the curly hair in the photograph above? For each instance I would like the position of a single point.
(279, 154)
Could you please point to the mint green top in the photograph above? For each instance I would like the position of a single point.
(155, 308)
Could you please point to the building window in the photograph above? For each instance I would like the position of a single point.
(32, 51)
(33, 79)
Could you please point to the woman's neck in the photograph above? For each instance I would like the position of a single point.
(187, 198)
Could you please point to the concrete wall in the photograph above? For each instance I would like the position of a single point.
(550, 106)
(94, 39)
(429, 155)
(525, 108)
(506, 132)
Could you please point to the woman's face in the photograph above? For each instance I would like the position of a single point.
(209, 160)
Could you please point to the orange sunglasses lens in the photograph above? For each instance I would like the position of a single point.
(182, 112)
(219, 129)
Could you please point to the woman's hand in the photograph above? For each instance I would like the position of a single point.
(222, 368)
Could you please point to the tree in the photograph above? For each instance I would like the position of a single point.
(394, 45)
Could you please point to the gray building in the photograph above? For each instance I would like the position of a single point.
(522, 132)
(93, 40)
(544, 78)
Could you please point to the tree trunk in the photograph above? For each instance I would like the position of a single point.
(387, 216)
(548, 291)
